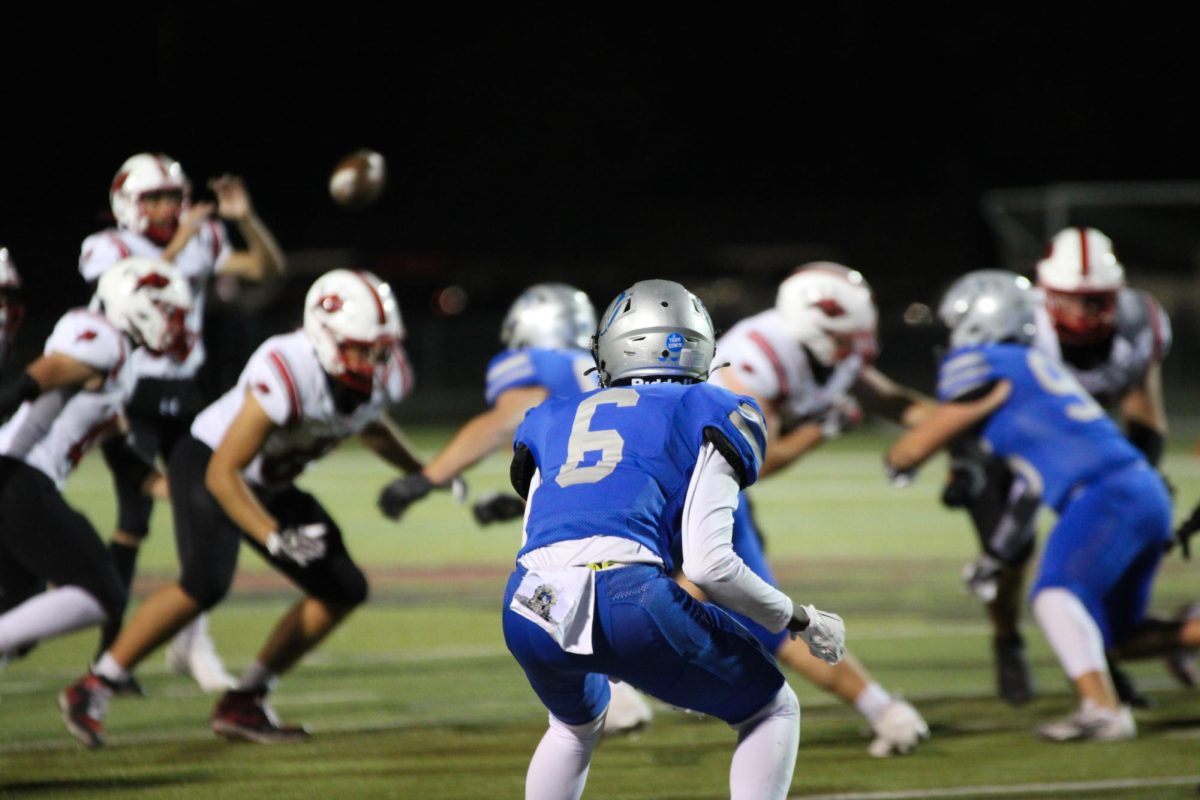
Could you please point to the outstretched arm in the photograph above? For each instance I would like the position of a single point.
(940, 426)
(264, 258)
(881, 395)
(385, 439)
(51, 371)
(243, 440)
(484, 434)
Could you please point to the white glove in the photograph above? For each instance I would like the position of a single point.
(981, 577)
(301, 545)
(825, 635)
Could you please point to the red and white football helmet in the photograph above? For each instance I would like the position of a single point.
(830, 310)
(12, 310)
(140, 175)
(149, 300)
(1081, 277)
(353, 321)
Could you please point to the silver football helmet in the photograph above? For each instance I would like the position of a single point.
(654, 329)
(988, 306)
(551, 315)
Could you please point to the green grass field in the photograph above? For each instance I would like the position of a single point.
(416, 696)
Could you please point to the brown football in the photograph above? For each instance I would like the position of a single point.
(358, 179)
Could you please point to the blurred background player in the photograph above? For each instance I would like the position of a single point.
(1114, 512)
(156, 218)
(545, 334)
(231, 479)
(591, 594)
(1113, 340)
(807, 363)
(12, 309)
(64, 402)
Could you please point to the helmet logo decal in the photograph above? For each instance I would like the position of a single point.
(262, 388)
(830, 307)
(674, 348)
(154, 280)
(330, 303)
(86, 336)
(616, 309)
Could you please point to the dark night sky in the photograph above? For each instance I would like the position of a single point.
(869, 130)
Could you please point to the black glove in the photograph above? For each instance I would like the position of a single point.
(398, 495)
(1186, 531)
(300, 545)
(497, 507)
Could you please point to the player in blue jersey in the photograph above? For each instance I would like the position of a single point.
(545, 336)
(615, 478)
(1114, 511)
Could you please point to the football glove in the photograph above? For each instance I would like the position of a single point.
(498, 507)
(825, 634)
(301, 545)
(398, 495)
(898, 478)
(981, 577)
(965, 482)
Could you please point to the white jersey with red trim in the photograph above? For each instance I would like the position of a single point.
(1142, 337)
(288, 382)
(199, 259)
(53, 431)
(770, 364)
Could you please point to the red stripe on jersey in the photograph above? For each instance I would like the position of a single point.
(293, 395)
(1083, 251)
(122, 248)
(375, 296)
(216, 239)
(773, 357)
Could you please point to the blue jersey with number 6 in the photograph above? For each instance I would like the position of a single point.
(618, 461)
(1050, 430)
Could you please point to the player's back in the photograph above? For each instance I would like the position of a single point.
(562, 372)
(1049, 428)
(618, 461)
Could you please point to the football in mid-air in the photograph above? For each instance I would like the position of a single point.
(358, 179)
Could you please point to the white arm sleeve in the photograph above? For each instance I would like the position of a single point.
(709, 560)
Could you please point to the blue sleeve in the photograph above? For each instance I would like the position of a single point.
(510, 369)
(735, 426)
(963, 371)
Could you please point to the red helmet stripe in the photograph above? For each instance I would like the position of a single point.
(1083, 251)
(122, 248)
(375, 296)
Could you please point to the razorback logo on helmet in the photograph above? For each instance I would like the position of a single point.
(830, 307)
(86, 336)
(154, 280)
(262, 388)
(330, 303)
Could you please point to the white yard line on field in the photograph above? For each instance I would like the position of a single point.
(1018, 790)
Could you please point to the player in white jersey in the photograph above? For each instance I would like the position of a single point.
(231, 480)
(807, 362)
(12, 310)
(1113, 340)
(156, 218)
(64, 402)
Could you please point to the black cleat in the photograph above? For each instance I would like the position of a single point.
(1014, 680)
(1127, 692)
(245, 716)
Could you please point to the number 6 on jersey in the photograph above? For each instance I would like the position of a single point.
(584, 440)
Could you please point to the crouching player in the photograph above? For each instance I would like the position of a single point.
(614, 479)
(67, 400)
(299, 395)
(1114, 512)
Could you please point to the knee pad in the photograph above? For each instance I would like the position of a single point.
(206, 590)
(348, 585)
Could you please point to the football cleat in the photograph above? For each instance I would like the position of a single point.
(1127, 691)
(246, 716)
(192, 653)
(84, 705)
(628, 711)
(898, 730)
(1091, 723)
(1182, 662)
(1014, 679)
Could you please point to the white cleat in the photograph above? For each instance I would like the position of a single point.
(628, 711)
(192, 653)
(898, 730)
(1091, 723)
